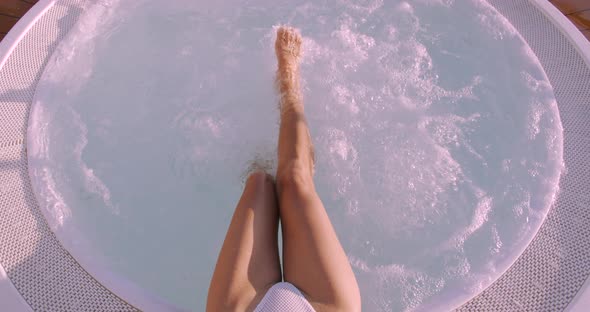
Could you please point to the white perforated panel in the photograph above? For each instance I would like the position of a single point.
(47, 277)
(550, 272)
(545, 278)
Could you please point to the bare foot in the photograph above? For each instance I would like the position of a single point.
(288, 51)
(288, 46)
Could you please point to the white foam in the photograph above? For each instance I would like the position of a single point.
(78, 48)
(493, 22)
(434, 164)
(93, 183)
(358, 44)
(365, 6)
(444, 3)
(58, 210)
(413, 286)
(497, 246)
(39, 146)
(344, 96)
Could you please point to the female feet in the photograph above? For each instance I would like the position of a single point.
(288, 51)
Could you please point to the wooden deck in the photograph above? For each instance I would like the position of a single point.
(11, 11)
(578, 11)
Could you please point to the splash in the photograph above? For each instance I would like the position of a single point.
(437, 136)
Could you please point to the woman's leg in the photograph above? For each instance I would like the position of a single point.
(313, 259)
(248, 264)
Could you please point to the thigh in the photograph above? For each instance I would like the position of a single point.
(313, 259)
(248, 262)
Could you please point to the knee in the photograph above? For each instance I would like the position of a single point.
(259, 180)
(294, 178)
(259, 176)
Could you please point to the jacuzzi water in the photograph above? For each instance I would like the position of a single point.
(437, 136)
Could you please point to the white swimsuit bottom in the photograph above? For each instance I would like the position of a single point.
(284, 297)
